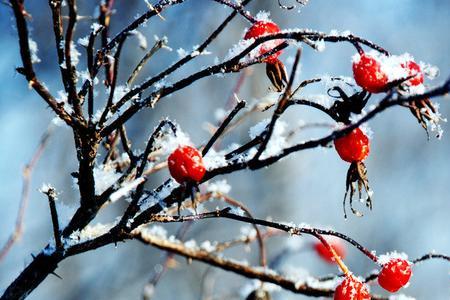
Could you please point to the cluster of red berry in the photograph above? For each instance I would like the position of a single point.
(186, 163)
(369, 73)
(394, 274)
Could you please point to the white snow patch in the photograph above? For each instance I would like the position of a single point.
(237, 211)
(214, 160)
(154, 231)
(88, 233)
(168, 142)
(385, 258)
(84, 41)
(33, 51)
(142, 40)
(105, 176)
(126, 189)
(263, 16)
(277, 141)
(219, 186)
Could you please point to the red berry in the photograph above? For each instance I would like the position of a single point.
(186, 164)
(413, 69)
(394, 274)
(325, 254)
(261, 28)
(353, 147)
(368, 74)
(351, 289)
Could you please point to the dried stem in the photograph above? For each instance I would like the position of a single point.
(26, 177)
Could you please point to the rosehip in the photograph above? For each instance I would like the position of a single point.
(413, 69)
(394, 274)
(351, 289)
(325, 254)
(368, 74)
(353, 147)
(186, 164)
(262, 28)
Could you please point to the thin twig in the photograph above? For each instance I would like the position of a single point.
(240, 105)
(158, 45)
(52, 196)
(293, 230)
(26, 176)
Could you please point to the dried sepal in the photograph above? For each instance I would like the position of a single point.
(350, 104)
(276, 72)
(426, 113)
(357, 181)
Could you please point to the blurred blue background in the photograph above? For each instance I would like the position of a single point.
(410, 175)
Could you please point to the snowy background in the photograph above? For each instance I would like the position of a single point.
(409, 174)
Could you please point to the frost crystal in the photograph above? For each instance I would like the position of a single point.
(105, 176)
(96, 27)
(88, 233)
(335, 32)
(208, 246)
(168, 142)
(219, 186)
(33, 51)
(191, 244)
(384, 258)
(237, 211)
(342, 82)
(258, 128)
(263, 16)
(45, 187)
(277, 141)
(75, 55)
(255, 284)
(142, 40)
(120, 92)
(85, 76)
(126, 189)
(214, 160)
(84, 41)
(155, 230)
(63, 98)
(431, 71)
(241, 46)
(181, 52)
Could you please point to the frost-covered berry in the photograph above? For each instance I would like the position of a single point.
(413, 69)
(325, 254)
(351, 289)
(395, 274)
(353, 147)
(368, 73)
(186, 164)
(261, 28)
